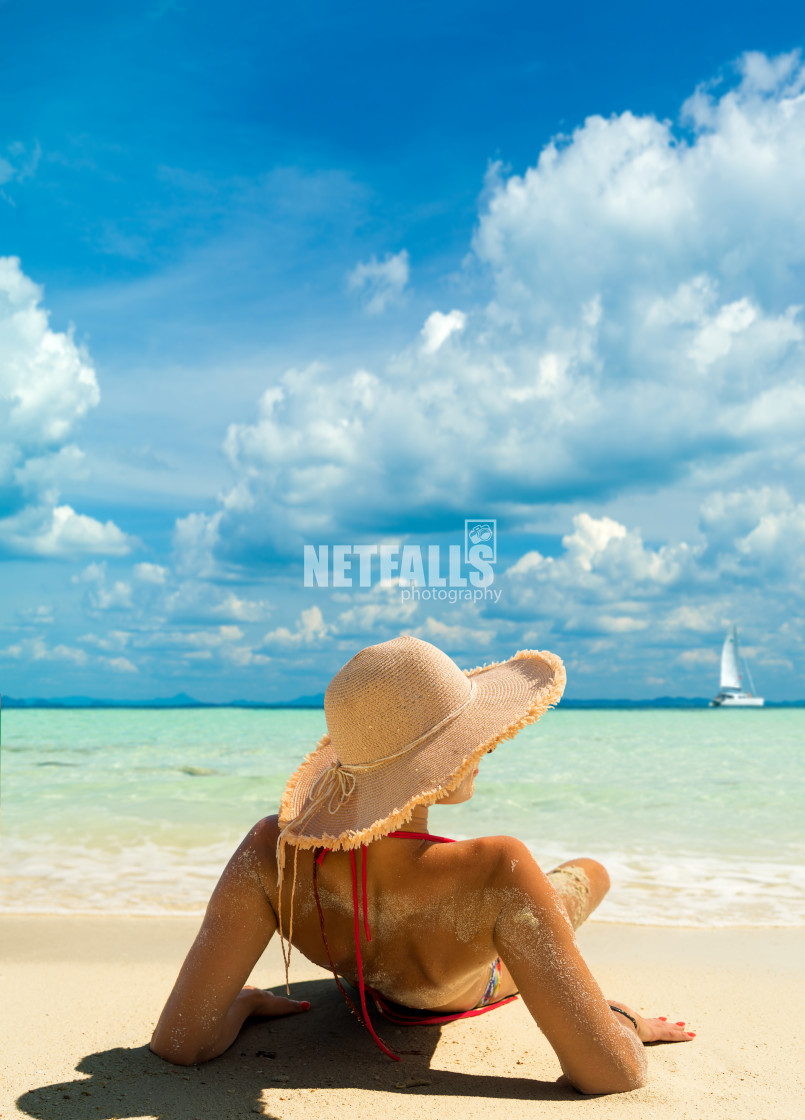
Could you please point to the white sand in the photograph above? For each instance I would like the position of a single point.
(80, 996)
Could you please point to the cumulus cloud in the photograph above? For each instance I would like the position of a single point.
(198, 601)
(643, 327)
(309, 630)
(47, 382)
(155, 596)
(195, 539)
(381, 283)
(611, 603)
(766, 529)
(61, 532)
(454, 636)
(603, 555)
(438, 328)
(121, 665)
(36, 649)
(47, 385)
(380, 612)
(150, 573)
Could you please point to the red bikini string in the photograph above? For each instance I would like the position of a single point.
(316, 862)
(363, 886)
(359, 962)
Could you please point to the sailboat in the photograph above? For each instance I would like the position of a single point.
(731, 694)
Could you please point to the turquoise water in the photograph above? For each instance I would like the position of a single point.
(695, 813)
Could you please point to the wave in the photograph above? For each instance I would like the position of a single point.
(149, 879)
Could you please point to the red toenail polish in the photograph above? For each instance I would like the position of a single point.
(680, 1024)
(663, 1018)
(691, 1034)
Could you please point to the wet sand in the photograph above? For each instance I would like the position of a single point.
(80, 996)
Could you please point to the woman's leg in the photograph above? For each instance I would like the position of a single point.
(581, 884)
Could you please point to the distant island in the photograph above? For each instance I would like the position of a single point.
(182, 700)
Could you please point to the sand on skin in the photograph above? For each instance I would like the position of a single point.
(81, 994)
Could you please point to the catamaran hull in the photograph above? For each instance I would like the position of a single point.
(737, 702)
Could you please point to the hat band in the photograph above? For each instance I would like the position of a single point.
(416, 742)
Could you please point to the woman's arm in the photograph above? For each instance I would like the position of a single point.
(209, 1004)
(598, 1053)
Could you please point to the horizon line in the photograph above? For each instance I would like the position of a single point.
(314, 703)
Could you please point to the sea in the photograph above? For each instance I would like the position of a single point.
(697, 814)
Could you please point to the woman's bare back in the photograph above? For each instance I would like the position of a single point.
(431, 912)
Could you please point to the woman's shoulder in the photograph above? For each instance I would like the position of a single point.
(261, 841)
(487, 860)
(266, 831)
(494, 849)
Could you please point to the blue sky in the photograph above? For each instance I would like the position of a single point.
(355, 275)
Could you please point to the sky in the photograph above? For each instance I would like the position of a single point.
(354, 275)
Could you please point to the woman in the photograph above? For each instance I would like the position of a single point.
(350, 872)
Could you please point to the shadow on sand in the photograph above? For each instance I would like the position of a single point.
(326, 1048)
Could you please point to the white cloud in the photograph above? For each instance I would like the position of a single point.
(452, 636)
(600, 552)
(380, 282)
(195, 601)
(46, 474)
(93, 573)
(241, 610)
(36, 616)
(116, 597)
(60, 532)
(35, 649)
(111, 641)
(121, 665)
(150, 573)
(47, 385)
(693, 658)
(700, 619)
(210, 639)
(591, 538)
(383, 614)
(244, 657)
(757, 530)
(438, 328)
(643, 329)
(195, 539)
(311, 629)
(47, 382)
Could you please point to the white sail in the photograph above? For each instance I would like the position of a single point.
(730, 673)
(732, 694)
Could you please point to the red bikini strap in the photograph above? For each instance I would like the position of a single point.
(341, 988)
(363, 894)
(359, 962)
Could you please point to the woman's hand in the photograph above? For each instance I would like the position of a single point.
(654, 1030)
(262, 1002)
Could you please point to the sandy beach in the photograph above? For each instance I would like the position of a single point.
(81, 995)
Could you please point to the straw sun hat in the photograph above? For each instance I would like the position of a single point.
(405, 726)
